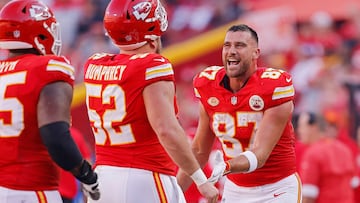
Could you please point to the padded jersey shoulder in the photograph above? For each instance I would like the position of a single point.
(208, 75)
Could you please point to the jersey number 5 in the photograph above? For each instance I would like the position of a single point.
(11, 109)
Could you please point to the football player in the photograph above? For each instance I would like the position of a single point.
(248, 109)
(36, 88)
(327, 166)
(132, 109)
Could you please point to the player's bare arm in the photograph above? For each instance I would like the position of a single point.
(158, 99)
(54, 122)
(204, 138)
(267, 135)
(54, 103)
(201, 146)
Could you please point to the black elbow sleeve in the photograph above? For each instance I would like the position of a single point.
(60, 145)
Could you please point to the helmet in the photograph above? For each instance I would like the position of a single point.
(131, 23)
(26, 24)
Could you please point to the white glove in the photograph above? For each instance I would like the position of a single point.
(91, 190)
(89, 180)
(219, 168)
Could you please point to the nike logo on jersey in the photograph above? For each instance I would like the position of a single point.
(160, 60)
(278, 194)
(288, 79)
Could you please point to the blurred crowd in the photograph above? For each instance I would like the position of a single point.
(83, 33)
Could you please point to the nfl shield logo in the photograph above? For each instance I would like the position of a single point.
(16, 33)
(233, 100)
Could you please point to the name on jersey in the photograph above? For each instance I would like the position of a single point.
(100, 72)
(7, 66)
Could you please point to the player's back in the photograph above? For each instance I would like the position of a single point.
(24, 162)
(116, 109)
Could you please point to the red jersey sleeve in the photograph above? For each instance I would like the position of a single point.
(277, 85)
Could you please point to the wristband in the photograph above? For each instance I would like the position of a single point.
(253, 162)
(199, 177)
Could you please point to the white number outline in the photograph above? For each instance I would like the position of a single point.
(243, 119)
(210, 72)
(102, 125)
(11, 105)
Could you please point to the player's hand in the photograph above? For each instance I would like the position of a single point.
(219, 168)
(91, 190)
(209, 191)
(89, 181)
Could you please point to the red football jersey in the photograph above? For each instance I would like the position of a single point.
(234, 118)
(328, 165)
(24, 162)
(123, 135)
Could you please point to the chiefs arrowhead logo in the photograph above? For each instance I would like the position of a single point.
(142, 10)
(39, 12)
